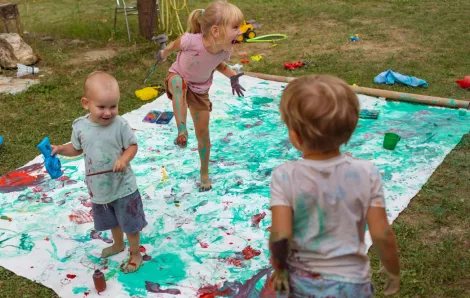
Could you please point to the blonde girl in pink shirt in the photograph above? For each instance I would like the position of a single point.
(204, 48)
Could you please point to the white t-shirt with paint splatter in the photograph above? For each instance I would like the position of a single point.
(330, 200)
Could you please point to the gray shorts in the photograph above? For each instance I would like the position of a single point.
(126, 212)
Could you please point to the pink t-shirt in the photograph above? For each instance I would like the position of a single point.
(195, 64)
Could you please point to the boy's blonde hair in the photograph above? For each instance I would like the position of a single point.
(219, 13)
(111, 81)
(323, 110)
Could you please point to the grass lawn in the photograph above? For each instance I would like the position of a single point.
(424, 38)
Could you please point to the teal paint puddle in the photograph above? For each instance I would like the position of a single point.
(162, 269)
(79, 290)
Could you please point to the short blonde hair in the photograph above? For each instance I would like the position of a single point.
(88, 83)
(323, 110)
(219, 13)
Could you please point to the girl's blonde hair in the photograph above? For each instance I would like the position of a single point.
(323, 110)
(219, 13)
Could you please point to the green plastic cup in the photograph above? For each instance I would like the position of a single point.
(391, 140)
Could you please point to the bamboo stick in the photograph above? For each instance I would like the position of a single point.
(391, 95)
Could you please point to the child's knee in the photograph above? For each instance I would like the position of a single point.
(177, 83)
(204, 142)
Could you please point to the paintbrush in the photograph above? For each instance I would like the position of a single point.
(99, 173)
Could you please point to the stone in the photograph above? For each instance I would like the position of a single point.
(14, 50)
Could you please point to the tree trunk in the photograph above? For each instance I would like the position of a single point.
(148, 18)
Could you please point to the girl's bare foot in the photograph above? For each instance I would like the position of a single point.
(205, 184)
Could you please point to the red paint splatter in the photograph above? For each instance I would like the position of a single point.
(256, 219)
(86, 203)
(32, 267)
(20, 179)
(105, 267)
(71, 276)
(142, 249)
(249, 239)
(203, 244)
(250, 253)
(228, 233)
(87, 293)
(213, 291)
(234, 262)
(80, 217)
(231, 243)
(63, 178)
(47, 239)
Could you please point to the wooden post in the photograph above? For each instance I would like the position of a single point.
(391, 95)
(10, 18)
(148, 17)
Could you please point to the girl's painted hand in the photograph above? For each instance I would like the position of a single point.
(236, 87)
(280, 280)
(160, 57)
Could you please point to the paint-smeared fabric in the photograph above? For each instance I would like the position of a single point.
(102, 146)
(330, 200)
(390, 77)
(195, 64)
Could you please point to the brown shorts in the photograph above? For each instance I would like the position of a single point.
(196, 101)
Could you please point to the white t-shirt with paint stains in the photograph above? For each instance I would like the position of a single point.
(330, 200)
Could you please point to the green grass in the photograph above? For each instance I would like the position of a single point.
(424, 38)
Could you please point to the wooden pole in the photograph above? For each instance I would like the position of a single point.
(391, 95)
(148, 17)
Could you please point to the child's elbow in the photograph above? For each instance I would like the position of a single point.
(77, 152)
(383, 237)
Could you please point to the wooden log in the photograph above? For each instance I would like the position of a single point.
(390, 95)
(10, 18)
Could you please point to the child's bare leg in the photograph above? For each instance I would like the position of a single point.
(180, 108)
(118, 245)
(201, 126)
(135, 259)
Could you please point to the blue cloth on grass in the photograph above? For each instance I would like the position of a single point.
(390, 77)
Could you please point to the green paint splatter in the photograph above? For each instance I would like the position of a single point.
(78, 290)
(261, 100)
(26, 243)
(162, 269)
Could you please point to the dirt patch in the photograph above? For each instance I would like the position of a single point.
(379, 49)
(436, 235)
(94, 55)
